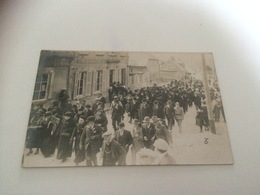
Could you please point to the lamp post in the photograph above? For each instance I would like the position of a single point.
(207, 93)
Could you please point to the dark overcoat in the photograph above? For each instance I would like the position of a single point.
(64, 145)
(125, 140)
(91, 140)
(117, 154)
(145, 110)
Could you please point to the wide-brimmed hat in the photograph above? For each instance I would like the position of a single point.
(147, 119)
(41, 112)
(161, 144)
(88, 106)
(48, 113)
(69, 114)
(154, 119)
(90, 119)
(83, 117)
(81, 109)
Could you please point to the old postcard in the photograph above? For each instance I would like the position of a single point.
(106, 108)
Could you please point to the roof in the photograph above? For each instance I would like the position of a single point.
(172, 65)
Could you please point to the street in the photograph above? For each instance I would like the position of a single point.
(189, 147)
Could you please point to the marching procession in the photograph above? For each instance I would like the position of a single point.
(137, 122)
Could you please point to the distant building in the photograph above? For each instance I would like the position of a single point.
(170, 70)
(83, 74)
(153, 66)
(138, 76)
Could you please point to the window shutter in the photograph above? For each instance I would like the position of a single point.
(88, 83)
(50, 84)
(76, 84)
(94, 74)
(119, 75)
(103, 80)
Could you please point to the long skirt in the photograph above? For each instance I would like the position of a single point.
(34, 137)
(48, 146)
(80, 156)
(64, 148)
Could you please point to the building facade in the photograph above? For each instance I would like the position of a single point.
(83, 74)
(138, 76)
(153, 66)
(171, 70)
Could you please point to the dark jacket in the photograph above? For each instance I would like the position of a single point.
(117, 154)
(125, 140)
(66, 130)
(145, 110)
(91, 139)
(149, 133)
(102, 121)
(117, 111)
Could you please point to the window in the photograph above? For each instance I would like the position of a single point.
(99, 80)
(80, 83)
(111, 76)
(123, 76)
(80, 80)
(41, 87)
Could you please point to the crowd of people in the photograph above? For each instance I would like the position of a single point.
(83, 128)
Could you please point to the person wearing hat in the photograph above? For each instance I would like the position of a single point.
(204, 113)
(50, 134)
(117, 113)
(112, 152)
(123, 137)
(102, 98)
(184, 103)
(81, 123)
(197, 100)
(54, 108)
(162, 121)
(144, 110)
(169, 114)
(148, 131)
(91, 141)
(101, 119)
(66, 129)
(88, 111)
(134, 109)
(161, 131)
(34, 132)
(161, 148)
(110, 93)
(138, 143)
(80, 112)
(216, 109)
(95, 105)
(179, 115)
(155, 108)
(128, 109)
(63, 99)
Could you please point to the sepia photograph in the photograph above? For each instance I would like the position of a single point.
(111, 108)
